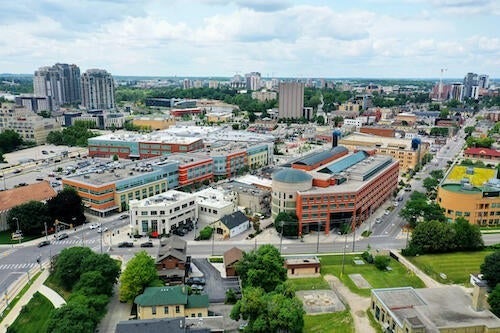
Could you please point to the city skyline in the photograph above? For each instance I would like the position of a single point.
(370, 38)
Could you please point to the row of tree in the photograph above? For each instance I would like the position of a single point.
(90, 278)
(9, 141)
(76, 135)
(268, 303)
(32, 216)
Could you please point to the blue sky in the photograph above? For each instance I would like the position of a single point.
(361, 38)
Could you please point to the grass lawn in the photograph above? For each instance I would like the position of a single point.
(309, 283)
(457, 266)
(34, 317)
(338, 322)
(5, 238)
(398, 277)
(52, 283)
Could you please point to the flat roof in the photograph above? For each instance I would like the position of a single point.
(153, 137)
(104, 171)
(242, 187)
(255, 180)
(476, 176)
(163, 199)
(435, 308)
(370, 140)
(212, 197)
(218, 133)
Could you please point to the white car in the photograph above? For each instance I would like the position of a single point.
(387, 212)
(396, 203)
(94, 226)
(99, 230)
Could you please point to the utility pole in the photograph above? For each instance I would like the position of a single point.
(343, 255)
(46, 233)
(317, 242)
(353, 232)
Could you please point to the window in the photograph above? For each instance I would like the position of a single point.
(165, 310)
(199, 314)
(153, 310)
(193, 315)
(177, 309)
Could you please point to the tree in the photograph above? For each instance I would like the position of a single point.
(437, 174)
(31, 217)
(288, 223)
(72, 317)
(467, 236)
(68, 267)
(9, 141)
(206, 232)
(433, 237)
(490, 268)
(381, 262)
(418, 208)
(494, 300)
(139, 273)
(105, 265)
(269, 312)
(262, 268)
(93, 283)
(67, 207)
(320, 120)
(430, 184)
(115, 157)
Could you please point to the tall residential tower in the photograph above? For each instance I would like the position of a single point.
(60, 84)
(291, 100)
(98, 90)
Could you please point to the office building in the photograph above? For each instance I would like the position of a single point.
(409, 153)
(472, 193)
(330, 189)
(33, 103)
(97, 90)
(60, 83)
(470, 85)
(483, 81)
(291, 100)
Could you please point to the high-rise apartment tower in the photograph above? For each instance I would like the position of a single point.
(98, 90)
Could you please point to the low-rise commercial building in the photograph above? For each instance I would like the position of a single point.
(213, 204)
(483, 154)
(471, 193)
(231, 225)
(444, 309)
(154, 122)
(163, 213)
(169, 302)
(251, 197)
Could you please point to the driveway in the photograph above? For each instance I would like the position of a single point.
(215, 285)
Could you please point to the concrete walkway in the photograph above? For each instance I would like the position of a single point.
(36, 285)
(428, 281)
(357, 304)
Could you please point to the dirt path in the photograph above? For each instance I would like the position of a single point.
(357, 304)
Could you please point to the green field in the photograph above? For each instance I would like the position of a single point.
(338, 322)
(308, 283)
(399, 276)
(457, 266)
(5, 238)
(34, 317)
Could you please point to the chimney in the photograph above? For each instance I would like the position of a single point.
(479, 296)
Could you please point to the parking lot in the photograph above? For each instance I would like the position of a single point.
(215, 285)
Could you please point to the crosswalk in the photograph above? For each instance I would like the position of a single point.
(75, 242)
(17, 266)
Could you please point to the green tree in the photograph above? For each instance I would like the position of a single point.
(494, 300)
(262, 268)
(437, 174)
(139, 273)
(206, 233)
(288, 223)
(430, 184)
(490, 268)
(68, 267)
(67, 207)
(31, 217)
(467, 236)
(418, 208)
(108, 267)
(381, 262)
(115, 157)
(269, 312)
(320, 120)
(433, 237)
(93, 283)
(72, 317)
(9, 141)
(469, 129)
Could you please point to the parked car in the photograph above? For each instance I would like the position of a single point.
(62, 236)
(43, 243)
(147, 244)
(396, 203)
(94, 226)
(199, 280)
(123, 216)
(387, 212)
(39, 179)
(378, 220)
(137, 236)
(126, 244)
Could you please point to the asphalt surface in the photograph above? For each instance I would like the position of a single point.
(215, 285)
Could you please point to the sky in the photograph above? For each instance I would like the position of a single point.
(278, 38)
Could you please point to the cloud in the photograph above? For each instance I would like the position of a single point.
(264, 5)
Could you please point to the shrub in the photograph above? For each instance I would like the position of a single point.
(381, 262)
(367, 257)
(218, 260)
(231, 297)
(206, 233)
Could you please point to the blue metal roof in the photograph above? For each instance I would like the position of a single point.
(314, 158)
(291, 176)
(345, 163)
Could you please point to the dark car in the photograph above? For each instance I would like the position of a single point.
(124, 216)
(43, 243)
(147, 244)
(196, 280)
(137, 236)
(126, 244)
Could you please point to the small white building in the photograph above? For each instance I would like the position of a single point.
(231, 225)
(215, 203)
(162, 213)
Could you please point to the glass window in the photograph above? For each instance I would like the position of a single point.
(165, 310)
(177, 309)
(153, 309)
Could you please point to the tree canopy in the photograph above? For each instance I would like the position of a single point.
(490, 268)
(76, 135)
(31, 216)
(290, 224)
(418, 208)
(494, 300)
(262, 268)
(67, 205)
(139, 274)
